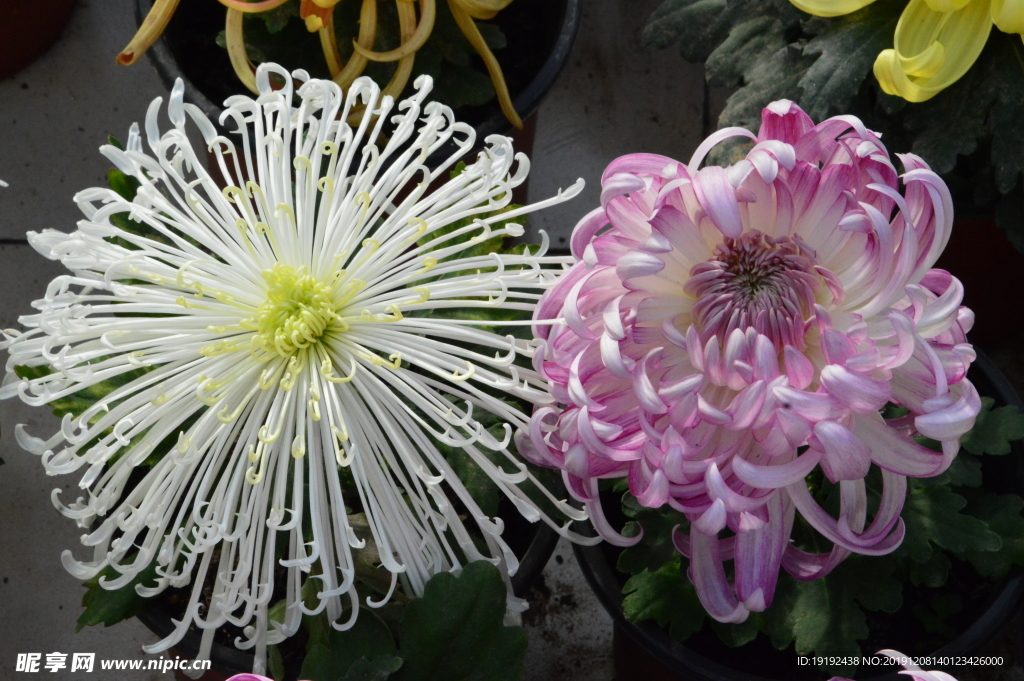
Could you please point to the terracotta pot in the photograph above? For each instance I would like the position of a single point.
(28, 29)
(645, 651)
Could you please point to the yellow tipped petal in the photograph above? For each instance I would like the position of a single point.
(830, 8)
(325, 4)
(1008, 15)
(314, 23)
(472, 33)
(153, 25)
(414, 43)
(235, 38)
(932, 50)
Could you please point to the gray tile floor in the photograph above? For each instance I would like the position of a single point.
(612, 99)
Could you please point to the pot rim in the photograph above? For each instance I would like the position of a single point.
(678, 658)
(526, 102)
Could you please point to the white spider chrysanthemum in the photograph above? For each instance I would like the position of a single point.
(278, 330)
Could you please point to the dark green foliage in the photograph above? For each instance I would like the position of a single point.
(846, 51)
(378, 669)
(456, 630)
(959, 107)
(826, 615)
(479, 484)
(656, 548)
(965, 471)
(1002, 514)
(666, 596)
(276, 19)
(994, 429)
(972, 132)
(110, 607)
(933, 517)
(331, 653)
(1006, 73)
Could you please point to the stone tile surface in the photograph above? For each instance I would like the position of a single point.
(613, 98)
(58, 111)
(570, 634)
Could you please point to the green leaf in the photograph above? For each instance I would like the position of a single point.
(456, 630)
(1006, 123)
(964, 471)
(275, 663)
(846, 51)
(736, 635)
(276, 19)
(666, 596)
(331, 654)
(826, 615)
(656, 548)
(125, 185)
(477, 482)
(933, 516)
(110, 607)
(1002, 514)
(962, 107)
(746, 45)
(378, 669)
(994, 429)
(932, 573)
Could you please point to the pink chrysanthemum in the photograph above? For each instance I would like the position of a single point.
(729, 330)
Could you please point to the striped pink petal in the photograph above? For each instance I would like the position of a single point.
(728, 331)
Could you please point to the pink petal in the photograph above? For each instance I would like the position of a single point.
(718, 198)
(858, 392)
(893, 451)
(618, 185)
(708, 577)
(776, 476)
(846, 457)
(585, 231)
(798, 368)
(811, 406)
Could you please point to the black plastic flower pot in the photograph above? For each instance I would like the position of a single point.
(540, 38)
(645, 650)
(533, 543)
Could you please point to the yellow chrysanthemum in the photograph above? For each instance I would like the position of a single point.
(936, 41)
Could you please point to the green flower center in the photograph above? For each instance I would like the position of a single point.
(297, 312)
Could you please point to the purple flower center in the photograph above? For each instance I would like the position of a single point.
(755, 281)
